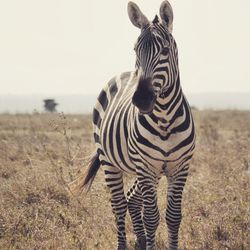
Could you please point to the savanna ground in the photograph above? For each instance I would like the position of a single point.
(41, 153)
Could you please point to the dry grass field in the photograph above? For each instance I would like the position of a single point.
(41, 153)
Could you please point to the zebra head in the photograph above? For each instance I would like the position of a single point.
(156, 56)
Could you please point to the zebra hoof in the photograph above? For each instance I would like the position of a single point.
(140, 243)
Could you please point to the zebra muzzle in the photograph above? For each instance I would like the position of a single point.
(144, 97)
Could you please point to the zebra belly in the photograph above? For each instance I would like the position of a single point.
(114, 139)
(110, 124)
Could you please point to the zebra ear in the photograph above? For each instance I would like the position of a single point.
(136, 16)
(167, 16)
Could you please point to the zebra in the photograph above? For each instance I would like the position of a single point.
(143, 126)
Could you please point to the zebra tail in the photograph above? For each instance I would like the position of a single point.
(86, 178)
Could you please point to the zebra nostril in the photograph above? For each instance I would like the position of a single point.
(139, 99)
(135, 98)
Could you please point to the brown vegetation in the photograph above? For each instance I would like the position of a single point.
(40, 154)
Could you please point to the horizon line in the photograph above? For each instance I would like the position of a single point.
(91, 94)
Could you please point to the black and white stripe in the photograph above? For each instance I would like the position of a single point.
(143, 126)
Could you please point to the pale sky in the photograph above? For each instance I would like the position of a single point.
(75, 47)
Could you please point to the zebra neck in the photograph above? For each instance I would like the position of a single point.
(168, 107)
(168, 101)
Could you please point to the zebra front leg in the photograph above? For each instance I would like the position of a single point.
(151, 217)
(114, 180)
(135, 203)
(176, 184)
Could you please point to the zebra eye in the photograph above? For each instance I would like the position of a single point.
(165, 51)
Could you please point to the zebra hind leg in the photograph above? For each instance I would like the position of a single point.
(135, 203)
(176, 185)
(114, 180)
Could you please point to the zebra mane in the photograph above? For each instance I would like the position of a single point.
(156, 19)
